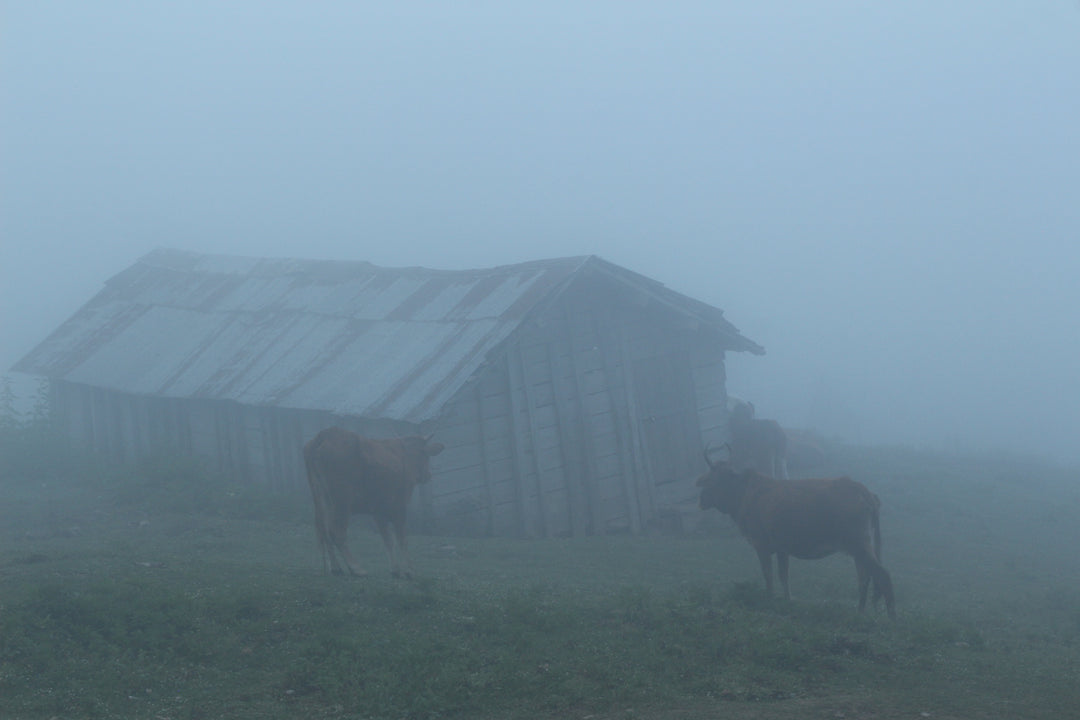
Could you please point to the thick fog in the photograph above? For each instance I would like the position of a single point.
(884, 195)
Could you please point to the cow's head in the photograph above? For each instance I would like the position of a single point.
(742, 413)
(419, 450)
(722, 486)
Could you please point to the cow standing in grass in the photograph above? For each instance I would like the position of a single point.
(351, 475)
(807, 519)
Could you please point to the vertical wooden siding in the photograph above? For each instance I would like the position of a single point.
(560, 435)
(244, 444)
(590, 423)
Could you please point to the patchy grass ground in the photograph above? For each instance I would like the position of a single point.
(167, 594)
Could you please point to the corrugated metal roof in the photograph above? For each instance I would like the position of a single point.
(348, 337)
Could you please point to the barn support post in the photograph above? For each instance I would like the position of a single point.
(485, 471)
(288, 452)
(642, 478)
(589, 468)
(158, 422)
(272, 448)
(119, 421)
(570, 449)
(85, 432)
(102, 425)
(525, 527)
(138, 421)
(710, 378)
(239, 431)
(284, 449)
(186, 420)
(223, 439)
(297, 471)
(530, 426)
(619, 413)
(264, 440)
(426, 510)
(59, 407)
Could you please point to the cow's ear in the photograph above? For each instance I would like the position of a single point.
(433, 449)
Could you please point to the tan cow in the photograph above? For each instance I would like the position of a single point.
(351, 475)
(807, 519)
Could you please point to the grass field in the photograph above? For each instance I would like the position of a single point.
(163, 593)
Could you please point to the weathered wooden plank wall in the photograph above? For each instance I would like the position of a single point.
(710, 385)
(244, 444)
(590, 422)
(561, 437)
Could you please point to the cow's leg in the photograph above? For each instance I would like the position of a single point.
(782, 571)
(883, 583)
(330, 563)
(322, 536)
(765, 558)
(883, 586)
(333, 535)
(388, 543)
(863, 574)
(339, 525)
(403, 548)
(868, 568)
(396, 547)
(350, 561)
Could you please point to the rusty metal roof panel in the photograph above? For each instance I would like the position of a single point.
(348, 337)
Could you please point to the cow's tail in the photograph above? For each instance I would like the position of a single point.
(875, 522)
(880, 578)
(318, 497)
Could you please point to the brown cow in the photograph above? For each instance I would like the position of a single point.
(351, 475)
(757, 443)
(807, 519)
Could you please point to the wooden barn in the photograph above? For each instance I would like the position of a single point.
(573, 395)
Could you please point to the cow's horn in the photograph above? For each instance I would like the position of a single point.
(708, 461)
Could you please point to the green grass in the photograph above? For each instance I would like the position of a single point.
(167, 593)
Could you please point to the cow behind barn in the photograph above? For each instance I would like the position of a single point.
(807, 519)
(352, 475)
(757, 443)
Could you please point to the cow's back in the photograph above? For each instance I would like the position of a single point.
(810, 518)
(368, 475)
(388, 479)
(334, 452)
(334, 457)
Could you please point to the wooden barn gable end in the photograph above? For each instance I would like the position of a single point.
(587, 419)
(558, 436)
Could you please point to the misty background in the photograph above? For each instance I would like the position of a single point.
(884, 195)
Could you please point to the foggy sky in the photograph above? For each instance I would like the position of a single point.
(884, 195)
